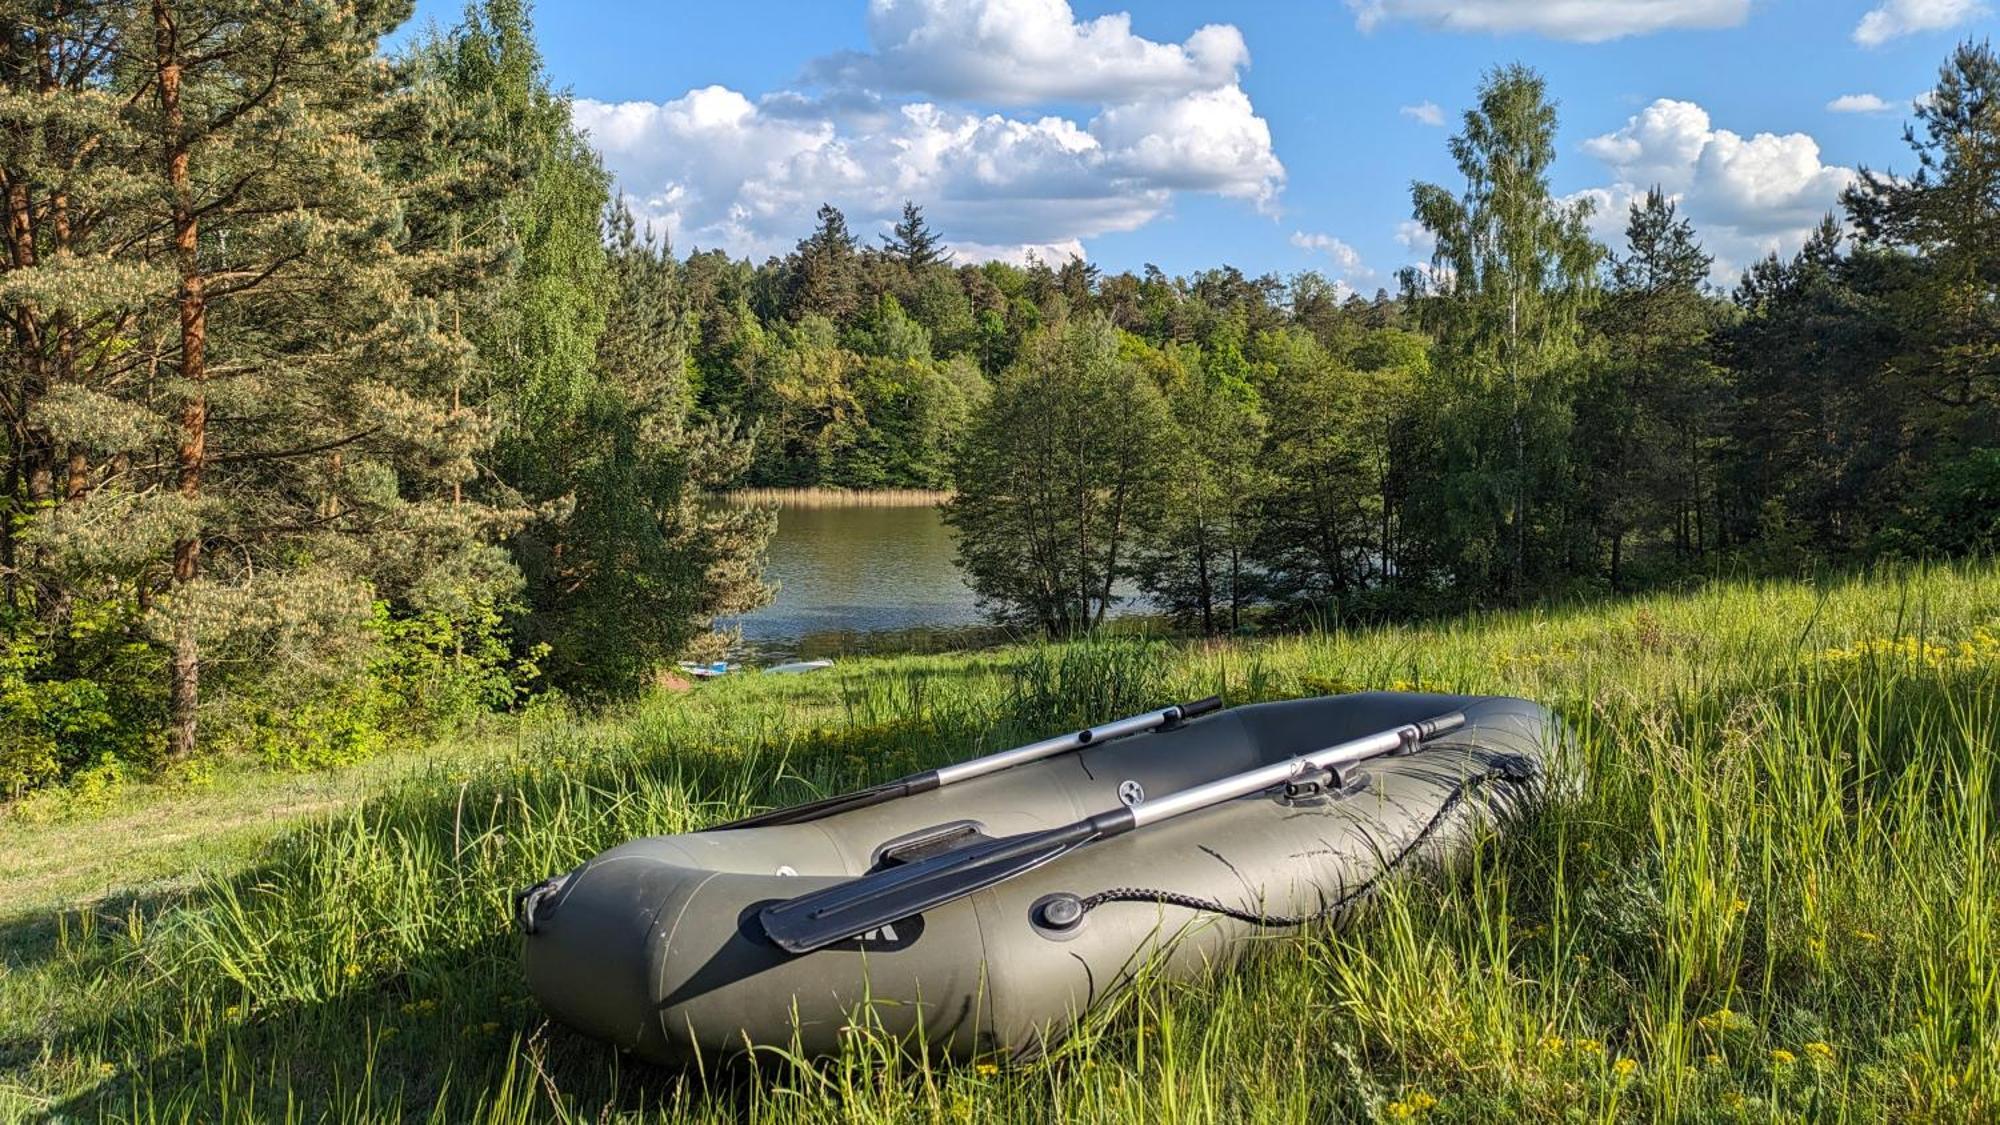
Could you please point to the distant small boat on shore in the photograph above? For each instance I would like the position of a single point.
(795, 667)
(705, 671)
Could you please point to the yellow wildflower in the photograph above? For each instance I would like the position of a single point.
(1869, 936)
(106, 1070)
(1421, 1100)
(1401, 1111)
(987, 1070)
(1625, 1067)
(1713, 1059)
(1783, 1057)
(1740, 906)
(1553, 1044)
(1721, 1019)
(1588, 1047)
(231, 1012)
(1820, 1050)
(352, 970)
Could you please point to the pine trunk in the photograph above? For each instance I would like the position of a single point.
(184, 688)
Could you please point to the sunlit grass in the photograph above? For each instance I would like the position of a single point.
(1770, 893)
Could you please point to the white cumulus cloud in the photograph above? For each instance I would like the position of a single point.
(1416, 237)
(1582, 21)
(1895, 18)
(1860, 103)
(1023, 52)
(1349, 271)
(913, 119)
(1207, 141)
(1747, 196)
(1423, 113)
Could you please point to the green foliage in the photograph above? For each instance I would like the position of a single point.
(1513, 273)
(1954, 513)
(1196, 543)
(423, 672)
(75, 696)
(1647, 411)
(1055, 476)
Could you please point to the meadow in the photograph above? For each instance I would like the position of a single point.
(1769, 889)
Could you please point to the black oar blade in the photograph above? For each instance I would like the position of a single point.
(827, 806)
(820, 918)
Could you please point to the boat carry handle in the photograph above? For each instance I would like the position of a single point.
(854, 906)
(1165, 718)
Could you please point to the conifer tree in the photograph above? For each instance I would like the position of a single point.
(913, 243)
(582, 354)
(302, 456)
(63, 285)
(822, 275)
(1948, 213)
(1647, 405)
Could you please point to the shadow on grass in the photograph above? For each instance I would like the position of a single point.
(246, 1025)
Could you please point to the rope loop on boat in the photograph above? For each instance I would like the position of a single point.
(1507, 768)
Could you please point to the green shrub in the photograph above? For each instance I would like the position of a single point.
(75, 695)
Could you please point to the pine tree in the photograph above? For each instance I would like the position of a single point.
(63, 173)
(1816, 437)
(822, 275)
(582, 356)
(293, 343)
(1948, 212)
(647, 562)
(913, 243)
(1643, 412)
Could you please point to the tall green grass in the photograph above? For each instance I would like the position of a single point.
(1768, 892)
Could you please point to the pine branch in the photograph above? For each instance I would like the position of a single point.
(298, 451)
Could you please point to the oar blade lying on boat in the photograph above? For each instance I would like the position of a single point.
(821, 918)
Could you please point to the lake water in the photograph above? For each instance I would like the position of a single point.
(860, 578)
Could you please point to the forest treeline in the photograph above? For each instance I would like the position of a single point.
(344, 397)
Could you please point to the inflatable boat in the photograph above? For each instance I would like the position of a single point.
(983, 907)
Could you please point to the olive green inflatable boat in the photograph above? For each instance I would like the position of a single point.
(983, 907)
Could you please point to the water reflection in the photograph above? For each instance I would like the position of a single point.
(861, 579)
(856, 579)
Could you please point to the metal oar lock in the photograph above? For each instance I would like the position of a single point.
(855, 906)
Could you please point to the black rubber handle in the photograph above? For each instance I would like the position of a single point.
(1431, 728)
(1200, 707)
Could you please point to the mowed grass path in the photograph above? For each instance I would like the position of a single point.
(1772, 892)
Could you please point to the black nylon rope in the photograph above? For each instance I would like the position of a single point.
(1509, 771)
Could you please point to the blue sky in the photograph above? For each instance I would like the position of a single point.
(1189, 133)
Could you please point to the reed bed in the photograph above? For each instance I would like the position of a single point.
(1771, 892)
(839, 497)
